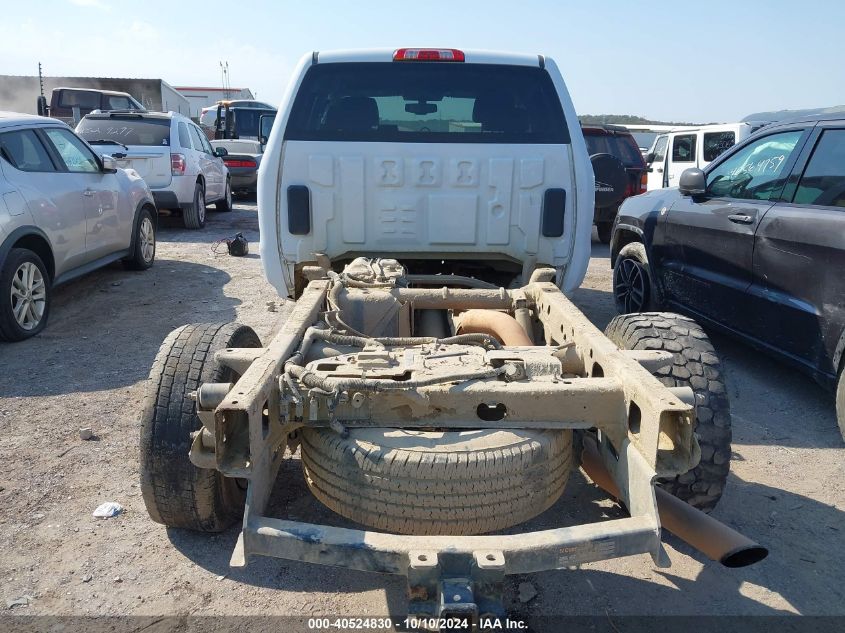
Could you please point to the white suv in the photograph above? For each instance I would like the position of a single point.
(467, 163)
(171, 154)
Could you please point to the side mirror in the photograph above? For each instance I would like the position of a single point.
(109, 164)
(220, 152)
(265, 126)
(649, 158)
(693, 182)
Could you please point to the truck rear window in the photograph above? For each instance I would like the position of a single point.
(126, 130)
(427, 102)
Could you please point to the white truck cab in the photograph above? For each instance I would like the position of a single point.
(452, 161)
(686, 147)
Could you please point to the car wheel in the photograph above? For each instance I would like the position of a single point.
(194, 214)
(24, 295)
(605, 231)
(225, 203)
(633, 290)
(144, 241)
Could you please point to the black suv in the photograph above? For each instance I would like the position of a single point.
(620, 171)
(754, 245)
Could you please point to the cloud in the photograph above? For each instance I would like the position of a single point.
(92, 4)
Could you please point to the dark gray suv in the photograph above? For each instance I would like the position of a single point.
(754, 245)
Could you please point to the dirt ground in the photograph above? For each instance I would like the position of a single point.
(88, 370)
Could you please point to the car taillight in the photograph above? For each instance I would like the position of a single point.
(239, 163)
(428, 55)
(644, 181)
(177, 164)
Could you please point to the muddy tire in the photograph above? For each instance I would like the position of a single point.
(633, 288)
(840, 403)
(177, 493)
(193, 215)
(421, 482)
(697, 366)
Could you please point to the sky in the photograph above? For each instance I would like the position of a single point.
(701, 62)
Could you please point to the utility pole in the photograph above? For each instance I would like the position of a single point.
(41, 105)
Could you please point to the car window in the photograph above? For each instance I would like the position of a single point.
(622, 146)
(83, 98)
(118, 103)
(823, 181)
(756, 172)
(660, 149)
(73, 152)
(184, 136)
(205, 142)
(427, 103)
(128, 129)
(24, 150)
(715, 144)
(683, 148)
(198, 137)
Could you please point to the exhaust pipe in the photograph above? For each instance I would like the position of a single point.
(499, 324)
(710, 537)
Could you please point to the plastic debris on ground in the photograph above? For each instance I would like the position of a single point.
(108, 509)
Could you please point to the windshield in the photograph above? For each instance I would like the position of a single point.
(427, 102)
(136, 131)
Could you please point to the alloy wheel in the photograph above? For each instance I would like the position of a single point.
(200, 205)
(29, 296)
(630, 286)
(147, 240)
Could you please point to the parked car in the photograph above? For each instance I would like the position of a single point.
(675, 151)
(171, 153)
(619, 143)
(63, 102)
(754, 244)
(242, 159)
(64, 211)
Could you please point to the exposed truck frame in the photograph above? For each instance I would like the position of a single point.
(643, 429)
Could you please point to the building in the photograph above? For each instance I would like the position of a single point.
(200, 97)
(19, 93)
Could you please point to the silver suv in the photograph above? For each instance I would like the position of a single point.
(64, 211)
(171, 153)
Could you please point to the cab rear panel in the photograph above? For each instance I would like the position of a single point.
(473, 160)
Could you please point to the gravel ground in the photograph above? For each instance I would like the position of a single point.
(88, 370)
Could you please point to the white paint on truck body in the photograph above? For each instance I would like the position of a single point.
(428, 200)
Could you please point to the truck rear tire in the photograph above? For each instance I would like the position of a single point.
(427, 482)
(695, 365)
(605, 231)
(177, 493)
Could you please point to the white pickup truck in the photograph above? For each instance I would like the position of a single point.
(426, 208)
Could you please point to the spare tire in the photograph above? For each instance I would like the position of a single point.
(611, 180)
(431, 482)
